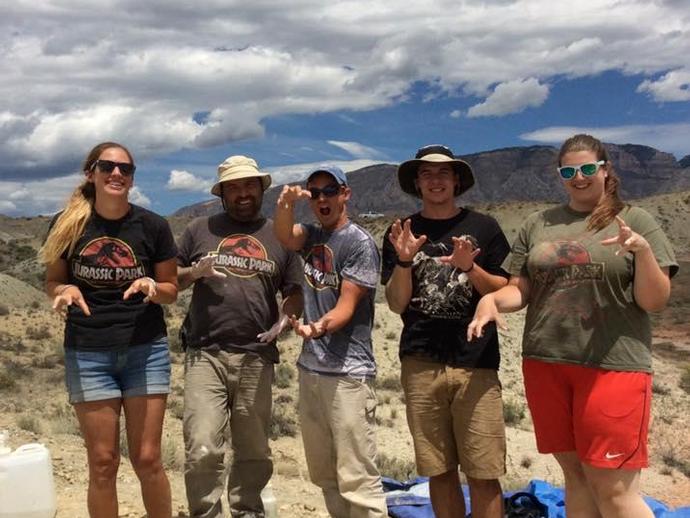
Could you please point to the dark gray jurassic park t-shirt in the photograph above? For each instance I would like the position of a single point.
(229, 313)
(348, 253)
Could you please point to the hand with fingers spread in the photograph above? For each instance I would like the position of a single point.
(404, 241)
(628, 240)
(312, 329)
(464, 253)
(486, 312)
(275, 330)
(145, 285)
(70, 295)
(290, 194)
(204, 268)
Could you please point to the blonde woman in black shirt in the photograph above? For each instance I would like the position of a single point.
(109, 266)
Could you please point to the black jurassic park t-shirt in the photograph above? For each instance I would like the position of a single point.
(108, 257)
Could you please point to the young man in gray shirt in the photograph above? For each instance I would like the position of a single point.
(237, 267)
(337, 402)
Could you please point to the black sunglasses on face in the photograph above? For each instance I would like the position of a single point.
(108, 166)
(434, 149)
(329, 191)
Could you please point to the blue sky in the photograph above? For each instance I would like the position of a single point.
(306, 82)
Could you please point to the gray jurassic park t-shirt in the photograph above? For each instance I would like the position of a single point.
(348, 253)
(229, 313)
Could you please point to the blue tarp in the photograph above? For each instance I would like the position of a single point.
(411, 499)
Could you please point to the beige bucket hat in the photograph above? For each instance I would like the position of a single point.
(435, 153)
(237, 167)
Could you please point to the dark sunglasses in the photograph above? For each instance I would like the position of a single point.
(434, 149)
(329, 191)
(108, 166)
(568, 172)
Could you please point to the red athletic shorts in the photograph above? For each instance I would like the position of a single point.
(603, 415)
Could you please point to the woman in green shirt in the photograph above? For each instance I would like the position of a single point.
(589, 273)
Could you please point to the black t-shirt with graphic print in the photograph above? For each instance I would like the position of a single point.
(108, 257)
(443, 299)
(228, 313)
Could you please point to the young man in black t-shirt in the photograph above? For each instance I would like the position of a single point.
(436, 266)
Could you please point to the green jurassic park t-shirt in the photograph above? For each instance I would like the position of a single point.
(581, 308)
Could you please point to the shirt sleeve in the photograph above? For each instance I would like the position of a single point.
(643, 223)
(165, 243)
(496, 251)
(292, 280)
(310, 231)
(388, 258)
(516, 261)
(362, 264)
(185, 248)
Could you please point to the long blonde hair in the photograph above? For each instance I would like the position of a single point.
(71, 223)
(605, 211)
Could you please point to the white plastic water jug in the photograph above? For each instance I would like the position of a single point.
(269, 500)
(26, 481)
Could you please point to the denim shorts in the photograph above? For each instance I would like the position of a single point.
(138, 370)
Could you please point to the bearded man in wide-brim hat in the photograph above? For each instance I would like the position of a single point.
(237, 267)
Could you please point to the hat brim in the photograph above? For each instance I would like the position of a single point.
(265, 180)
(407, 173)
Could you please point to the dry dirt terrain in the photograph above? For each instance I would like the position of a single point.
(33, 402)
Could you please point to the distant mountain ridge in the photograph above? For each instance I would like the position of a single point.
(502, 175)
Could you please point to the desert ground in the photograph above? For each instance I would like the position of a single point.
(33, 401)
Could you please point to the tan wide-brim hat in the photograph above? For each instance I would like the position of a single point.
(237, 167)
(407, 171)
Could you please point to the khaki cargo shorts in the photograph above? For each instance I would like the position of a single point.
(455, 417)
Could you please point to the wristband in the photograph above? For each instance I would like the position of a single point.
(468, 270)
(403, 264)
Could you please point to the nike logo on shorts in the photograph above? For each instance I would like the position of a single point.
(610, 456)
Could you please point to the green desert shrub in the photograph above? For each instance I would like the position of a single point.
(282, 423)
(513, 412)
(284, 375)
(395, 468)
(389, 382)
(29, 423)
(685, 379)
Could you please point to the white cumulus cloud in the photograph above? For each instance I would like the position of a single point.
(186, 181)
(511, 97)
(173, 75)
(673, 86)
(137, 196)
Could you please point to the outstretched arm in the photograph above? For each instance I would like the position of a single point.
(292, 236)
(336, 318)
(512, 297)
